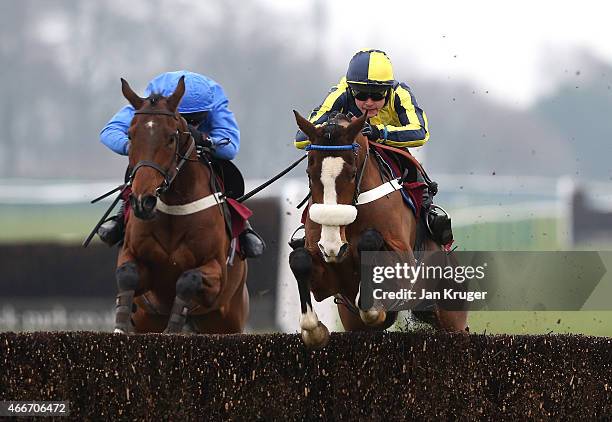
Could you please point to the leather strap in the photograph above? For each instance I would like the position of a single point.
(400, 152)
(191, 208)
(378, 192)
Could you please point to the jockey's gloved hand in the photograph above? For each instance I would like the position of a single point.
(205, 146)
(196, 134)
(370, 131)
(207, 143)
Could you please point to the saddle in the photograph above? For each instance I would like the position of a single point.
(394, 163)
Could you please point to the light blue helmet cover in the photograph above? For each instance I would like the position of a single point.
(199, 94)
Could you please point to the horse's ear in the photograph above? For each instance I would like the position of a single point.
(130, 95)
(308, 128)
(355, 127)
(175, 98)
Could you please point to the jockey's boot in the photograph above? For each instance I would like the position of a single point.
(439, 225)
(437, 220)
(251, 244)
(113, 229)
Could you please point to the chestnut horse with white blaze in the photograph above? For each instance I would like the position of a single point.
(338, 229)
(172, 270)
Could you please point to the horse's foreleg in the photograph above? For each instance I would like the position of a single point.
(204, 282)
(314, 333)
(371, 241)
(188, 286)
(127, 283)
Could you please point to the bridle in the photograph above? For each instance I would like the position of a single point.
(168, 179)
(354, 147)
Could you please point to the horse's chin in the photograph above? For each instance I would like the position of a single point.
(334, 259)
(145, 216)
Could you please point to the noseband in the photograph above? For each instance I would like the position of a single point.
(165, 173)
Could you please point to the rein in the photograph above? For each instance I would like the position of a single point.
(360, 177)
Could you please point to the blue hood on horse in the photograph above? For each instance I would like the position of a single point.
(199, 93)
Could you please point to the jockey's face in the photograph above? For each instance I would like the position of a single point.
(370, 106)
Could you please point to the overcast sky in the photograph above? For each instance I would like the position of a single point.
(517, 50)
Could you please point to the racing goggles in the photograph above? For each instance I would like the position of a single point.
(364, 95)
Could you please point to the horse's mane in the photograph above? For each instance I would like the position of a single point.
(154, 99)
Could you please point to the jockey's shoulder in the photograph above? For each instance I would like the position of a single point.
(401, 86)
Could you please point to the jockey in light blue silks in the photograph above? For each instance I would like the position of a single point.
(212, 124)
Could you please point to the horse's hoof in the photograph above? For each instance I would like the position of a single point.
(123, 330)
(316, 338)
(373, 317)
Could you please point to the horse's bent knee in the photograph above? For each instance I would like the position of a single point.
(300, 262)
(189, 284)
(127, 276)
(370, 240)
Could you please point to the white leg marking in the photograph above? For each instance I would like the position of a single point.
(309, 320)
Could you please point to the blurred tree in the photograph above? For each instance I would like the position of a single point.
(580, 109)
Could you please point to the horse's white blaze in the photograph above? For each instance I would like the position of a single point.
(330, 242)
(309, 321)
(330, 170)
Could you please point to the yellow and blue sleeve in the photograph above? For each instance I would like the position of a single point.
(413, 130)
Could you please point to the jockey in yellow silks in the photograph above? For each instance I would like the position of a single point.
(394, 117)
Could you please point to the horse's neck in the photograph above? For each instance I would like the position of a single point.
(192, 183)
(371, 176)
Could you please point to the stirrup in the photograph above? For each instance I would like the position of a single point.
(438, 224)
(297, 242)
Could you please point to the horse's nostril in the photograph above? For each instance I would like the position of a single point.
(148, 203)
(342, 250)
